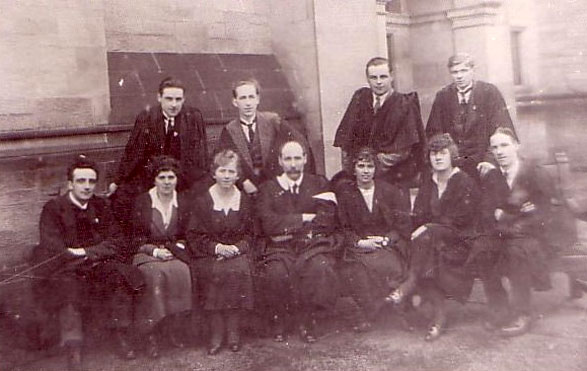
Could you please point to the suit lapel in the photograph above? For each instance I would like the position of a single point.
(158, 128)
(240, 142)
(265, 137)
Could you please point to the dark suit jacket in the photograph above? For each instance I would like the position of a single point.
(272, 131)
(488, 112)
(61, 227)
(147, 141)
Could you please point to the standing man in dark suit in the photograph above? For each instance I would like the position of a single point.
(255, 136)
(169, 129)
(469, 110)
(389, 122)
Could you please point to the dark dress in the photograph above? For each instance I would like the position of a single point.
(441, 252)
(525, 251)
(372, 274)
(225, 283)
(168, 282)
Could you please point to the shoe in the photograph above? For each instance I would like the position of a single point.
(74, 357)
(214, 349)
(153, 346)
(433, 333)
(577, 288)
(519, 326)
(307, 335)
(395, 297)
(362, 327)
(279, 338)
(125, 350)
(175, 341)
(235, 347)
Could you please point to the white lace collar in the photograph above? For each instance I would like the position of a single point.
(225, 205)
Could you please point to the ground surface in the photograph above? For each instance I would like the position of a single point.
(557, 341)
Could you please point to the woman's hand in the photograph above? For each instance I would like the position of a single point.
(162, 254)
(373, 242)
(498, 214)
(227, 251)
(528, 207)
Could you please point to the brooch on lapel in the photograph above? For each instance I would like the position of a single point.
(96, 220)
(175, 133)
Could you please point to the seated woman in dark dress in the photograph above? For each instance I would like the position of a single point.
(445, 216)
(159, 223)
(376, 225)
(220, 238)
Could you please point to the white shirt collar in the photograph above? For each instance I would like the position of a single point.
(442, 186)
(165, 211)
(221, 204)
(76, 202)
(286, 183)
(512, 172)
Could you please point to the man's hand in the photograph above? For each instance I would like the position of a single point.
(79, 252)
(227, 251)
(162, 254)
(421, 229)
(528, 207)
(308, 217)
(111, 189)
(484, 167)
(249, 187)
(368, 244)
(389, 159)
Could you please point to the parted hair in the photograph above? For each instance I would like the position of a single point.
(82, 162)
(239, 83)
(441, 141)
(171, 82)
(506, 131)
(376, 61)
(164, 163)
(460, 58)
(223, 158)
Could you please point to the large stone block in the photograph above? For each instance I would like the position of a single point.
(64, 112)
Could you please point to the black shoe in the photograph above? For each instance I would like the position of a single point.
(364, 326)
(434, 333)
(235, 347)
(153, 346)
(125, 350)
(519, 326)
(74, 357)
(279, 338)
(307, 335)
(175, 341)
(214, 349)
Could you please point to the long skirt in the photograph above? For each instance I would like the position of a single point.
(168, 290)
(226, 283)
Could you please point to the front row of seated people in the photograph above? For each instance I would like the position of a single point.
(307, 242)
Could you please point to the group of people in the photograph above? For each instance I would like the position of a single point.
(253, 228)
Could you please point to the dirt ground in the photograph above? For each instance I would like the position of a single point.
(557, 341)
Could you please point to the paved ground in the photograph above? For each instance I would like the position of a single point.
(558, 341)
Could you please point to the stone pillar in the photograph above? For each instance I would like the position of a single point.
(348, 34)
(481, 28)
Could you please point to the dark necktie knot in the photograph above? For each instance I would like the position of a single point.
(250, 130)
(377, 105)
(295, 189)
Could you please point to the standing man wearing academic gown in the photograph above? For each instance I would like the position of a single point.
(469, 110)
(387, 121)
(256, 136)
(170, 129)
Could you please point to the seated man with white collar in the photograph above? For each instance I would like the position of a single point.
(297, 215)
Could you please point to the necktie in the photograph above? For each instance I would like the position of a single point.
(463, 95)
(169, 123)
(251, 133)
(377, 105)
(295, 189)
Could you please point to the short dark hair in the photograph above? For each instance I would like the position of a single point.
(240, 83)
(376, 61)
(506, 131)
(171, 82)
(223, 158)
(460, 58)
(366, 154)
(82, 162)
(441, 141)
(164, 163)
